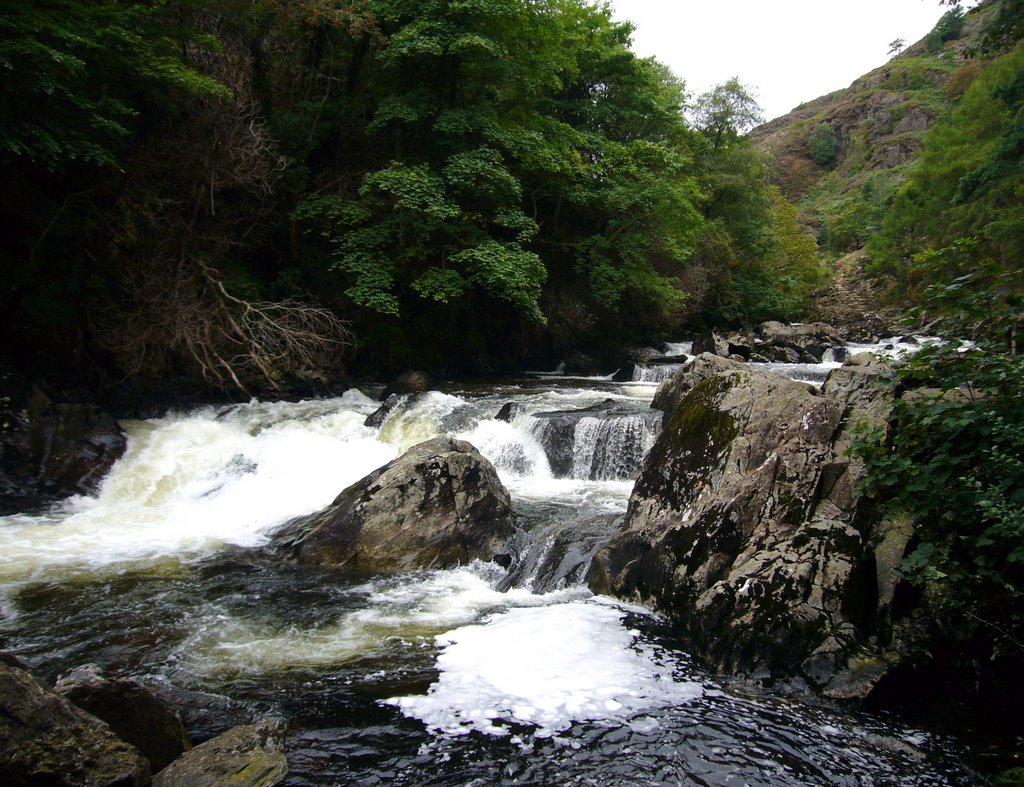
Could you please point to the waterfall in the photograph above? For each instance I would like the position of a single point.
(607, 449)
(642, 373)
(602, 446)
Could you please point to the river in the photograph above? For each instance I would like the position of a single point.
(469, 676)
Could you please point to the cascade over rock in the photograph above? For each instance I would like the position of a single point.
(604, 441)
(744, 525)
(438, 505)
(44, 739)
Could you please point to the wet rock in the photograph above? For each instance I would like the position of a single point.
(408, 383)
(744, 524)
(203, 713)
(50, 450)
(438, 505)
(670, 392)
(248, 756)
(866, 327)
(380, 415)
(710, 343)
(508, 412)
(44, 739)
(132, 711)
(809, 340)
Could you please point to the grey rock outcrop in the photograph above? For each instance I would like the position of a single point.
(745, 525)
(808, 341)
(438, 505)
(44, 739)
(132, 711)
(248, 756)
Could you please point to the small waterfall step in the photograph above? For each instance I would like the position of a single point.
(603, 442)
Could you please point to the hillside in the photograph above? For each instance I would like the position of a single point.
(878, 124)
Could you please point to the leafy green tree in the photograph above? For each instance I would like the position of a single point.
(822, 145)
(726, 112)
(74, 73)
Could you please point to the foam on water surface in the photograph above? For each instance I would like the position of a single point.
(189, 485)
(410, 608)
(545, 667)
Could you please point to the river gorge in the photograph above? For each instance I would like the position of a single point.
(173, 573)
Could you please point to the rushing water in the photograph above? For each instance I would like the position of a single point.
(472, 675)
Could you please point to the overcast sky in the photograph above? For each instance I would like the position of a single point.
(790, 51)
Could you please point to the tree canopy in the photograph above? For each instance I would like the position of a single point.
(467, 183)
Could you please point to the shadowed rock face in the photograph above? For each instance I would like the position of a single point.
(50, 450)
(438, 505)
(44, 739)
(744, 524)
(132, 710)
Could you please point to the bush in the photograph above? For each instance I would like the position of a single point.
(822, 145)
(955, 462)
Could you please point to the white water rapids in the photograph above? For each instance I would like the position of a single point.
(161, 573)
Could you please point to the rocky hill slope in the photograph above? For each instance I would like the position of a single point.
(865, 136)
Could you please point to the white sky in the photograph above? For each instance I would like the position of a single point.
(789, 51)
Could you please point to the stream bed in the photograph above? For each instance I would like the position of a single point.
(469, 676)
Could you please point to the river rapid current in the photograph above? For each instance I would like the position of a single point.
(472, 676)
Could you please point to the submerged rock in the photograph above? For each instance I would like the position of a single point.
(438, 505)
(44, 739)
(132, 711)
(248, 756)
(48, 449)
(744, 526)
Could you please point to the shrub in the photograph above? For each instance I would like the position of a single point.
(821, 145)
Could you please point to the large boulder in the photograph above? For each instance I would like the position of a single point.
(438, 505)
(44, 739)
(803, 343)
(745, 525)
(132, 711)
(48, 449)
(248, 756)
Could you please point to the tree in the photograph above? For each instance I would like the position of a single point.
(727, 112)
(896, 46)
(821, 145)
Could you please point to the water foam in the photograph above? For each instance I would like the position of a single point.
(189, 485)
(411, 608)
(545, 667)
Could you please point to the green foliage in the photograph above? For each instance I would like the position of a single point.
(968, 179)
(954, 463)
(821, 145)
(727, 112)
(949, 28)
(73, 74)
(439, 171)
